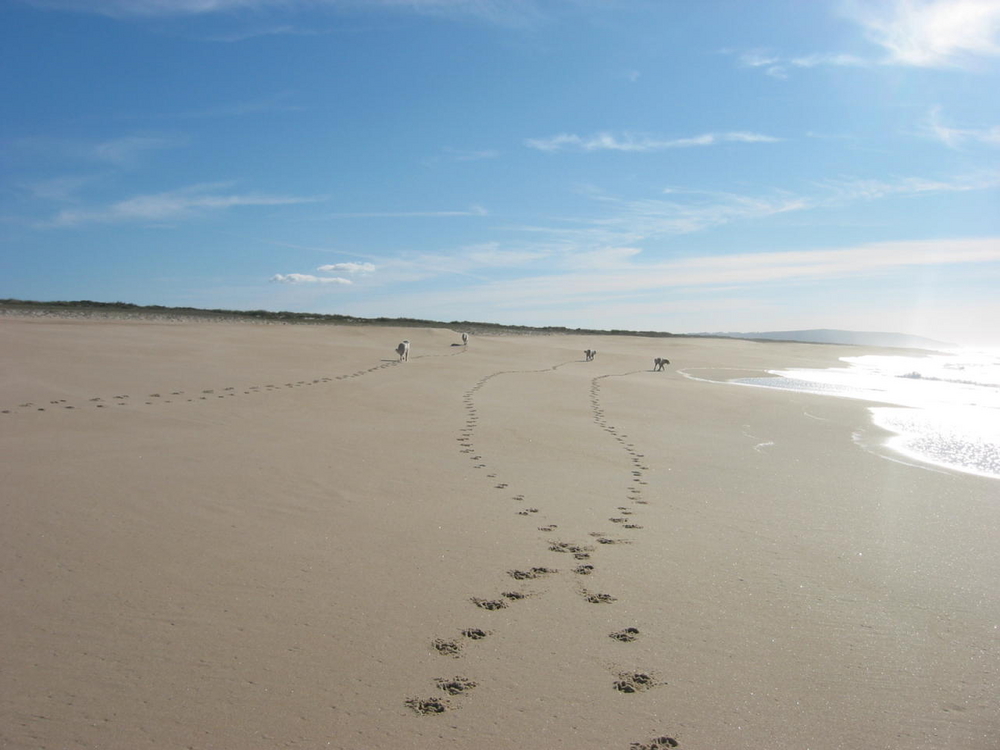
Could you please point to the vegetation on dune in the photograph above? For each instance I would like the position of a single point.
(84, 307)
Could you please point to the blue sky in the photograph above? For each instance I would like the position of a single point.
(639, 164)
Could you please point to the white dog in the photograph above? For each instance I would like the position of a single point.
(403, 350)
(465, 339)
(590, 354)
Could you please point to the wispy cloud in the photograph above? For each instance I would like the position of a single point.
(58, 188)
(931, 33)
(777, 66)
(172, 204)
(272, 103)
(254, 33)
(653, 217)
(124, 152)
(471, 211)
(604, 258)
(626, 222)
(501, 12)
(495, 255)
(852, 189)
(920, 33)
(632, 142)
(957, 137)
(348, 267)
(630, 277)
(305, 278)
(470, 155)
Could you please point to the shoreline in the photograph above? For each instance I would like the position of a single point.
(921, 440)
(260, 536)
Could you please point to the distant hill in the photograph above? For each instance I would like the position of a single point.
(832, 336)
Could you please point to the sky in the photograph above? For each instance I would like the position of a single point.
(640, 164)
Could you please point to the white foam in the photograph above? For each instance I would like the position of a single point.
(952, 418)
(955, 438)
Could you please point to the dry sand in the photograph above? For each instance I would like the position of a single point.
(244, 536)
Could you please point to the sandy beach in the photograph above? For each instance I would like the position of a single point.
(261, 536)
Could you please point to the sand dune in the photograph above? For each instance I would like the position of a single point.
(240, 536)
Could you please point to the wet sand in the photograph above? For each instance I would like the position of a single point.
(246, 536)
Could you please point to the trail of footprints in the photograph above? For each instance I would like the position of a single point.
(457, 686)
(206, 394)
(578, 552)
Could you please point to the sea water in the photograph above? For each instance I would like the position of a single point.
(944, 408)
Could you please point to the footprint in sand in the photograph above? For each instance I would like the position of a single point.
(626, 635)
(599, 598)
(455, 685)
(489, 604)
(635, 682)
(578, 551)
(514, 596)
(428, 706)
(532, 573)
(655, 744)
(447, 648)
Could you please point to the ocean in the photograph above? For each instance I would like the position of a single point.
(943, 408)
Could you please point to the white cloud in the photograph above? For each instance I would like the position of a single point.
(629, 222)
(466, 155)
(466, 261)
(57, 188)
(123, 152)
(285, 30)
(728, 271)
(931, 33)
(491, 254)
(495, 11)
(955, 137)
(836, 59)
(127, 150)
(170, 205)
(861, 189)
(305, 278)
(758, 59)
(920, 33)
(603, 258)
(471, 211)
(631, 142)
(271, 103)
(777, 66)
(348, 267)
